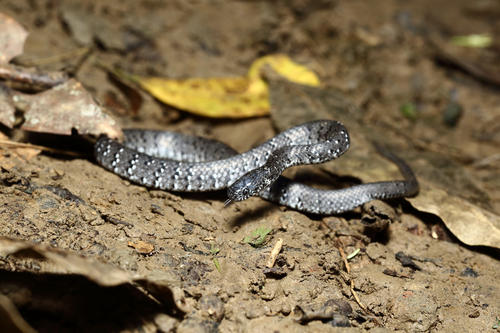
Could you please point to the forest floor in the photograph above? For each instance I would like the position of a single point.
(186, 264)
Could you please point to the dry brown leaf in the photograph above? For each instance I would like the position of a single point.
(59, 110)
(12, 37)
(468, 222)
(58, 261)
(7, 109)
(162, 285)
(63, 108)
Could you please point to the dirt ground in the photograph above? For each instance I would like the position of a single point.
(188, 264)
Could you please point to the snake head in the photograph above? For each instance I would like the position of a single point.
(250, 184)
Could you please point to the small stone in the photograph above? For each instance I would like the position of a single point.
(142, 247)
(212, 307)
(469, 272)
(156, 209)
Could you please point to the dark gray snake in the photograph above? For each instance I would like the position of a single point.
(179, 162)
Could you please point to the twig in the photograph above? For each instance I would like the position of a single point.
(71, 55)
(274, 253)
(14, 144)
(487, 161)
(347, 276)
(351, 281)
(32, 76)
(346, 263)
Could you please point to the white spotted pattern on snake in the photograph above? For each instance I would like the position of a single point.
(179, 162)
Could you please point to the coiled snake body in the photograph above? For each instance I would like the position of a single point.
(179, 162)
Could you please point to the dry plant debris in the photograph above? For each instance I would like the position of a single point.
(93, 252)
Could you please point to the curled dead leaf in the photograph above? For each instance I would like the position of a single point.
(162, 285)
(469, 223)
(58, 261)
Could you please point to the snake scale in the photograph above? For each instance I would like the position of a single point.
(178, 162)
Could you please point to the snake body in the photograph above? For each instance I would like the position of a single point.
(178, 162)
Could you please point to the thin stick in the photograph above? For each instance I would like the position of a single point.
(487, 161)
(72, 54)
(274, 253)
(32, 76)
(14, 144)
(351, 281)
(344, 258)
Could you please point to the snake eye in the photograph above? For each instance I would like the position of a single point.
(245, 192)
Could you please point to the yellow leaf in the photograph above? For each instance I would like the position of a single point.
(285, 67)
(237, 97)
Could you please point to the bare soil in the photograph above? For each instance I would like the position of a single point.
(411, 274)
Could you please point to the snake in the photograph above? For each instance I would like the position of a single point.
(179, 162)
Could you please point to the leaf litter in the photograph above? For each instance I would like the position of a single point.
(237, 97)
(180, 273)
(12, 38)
(470, 223)
(65, 107)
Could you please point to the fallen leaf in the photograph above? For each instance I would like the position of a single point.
(62, 262)
(142, 247)
(237, 97)
(469, 223)
(286, 68)
(7, 109)
(63, 108)
(161, 284)
(12, 37)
